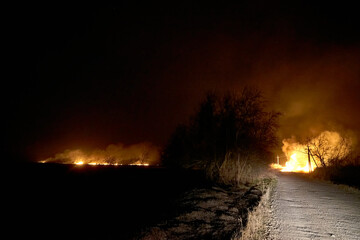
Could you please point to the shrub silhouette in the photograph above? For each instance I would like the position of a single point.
(226, 130)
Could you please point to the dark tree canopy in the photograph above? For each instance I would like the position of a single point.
(235, 123)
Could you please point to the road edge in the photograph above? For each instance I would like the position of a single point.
(257, 222)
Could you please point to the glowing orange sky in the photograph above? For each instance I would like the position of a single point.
(125, 74)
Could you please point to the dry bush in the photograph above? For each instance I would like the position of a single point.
(238, 169)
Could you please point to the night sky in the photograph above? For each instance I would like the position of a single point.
(86, 76)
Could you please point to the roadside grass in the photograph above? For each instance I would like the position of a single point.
(249, 170)
(348, 188)
(258, 218)
(244, 173)
(204, 213)
(342, 175)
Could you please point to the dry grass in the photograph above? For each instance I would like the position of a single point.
(347, 175)
(239, 170)
(249, 169)
(256, 228)
(348, 188)
(208, 213)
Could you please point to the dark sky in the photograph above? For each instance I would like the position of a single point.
(85, 76)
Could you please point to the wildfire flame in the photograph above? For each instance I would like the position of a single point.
(107, 164)
(294, 165)
(297, 158)
(298, 155)
(142, 154)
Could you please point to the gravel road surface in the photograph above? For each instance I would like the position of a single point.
(303, 208)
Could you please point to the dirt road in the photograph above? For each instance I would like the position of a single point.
(308, 209)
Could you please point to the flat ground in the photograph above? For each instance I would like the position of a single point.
(52, 201)
(207, 213)
(304, 208)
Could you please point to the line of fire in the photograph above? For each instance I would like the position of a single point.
(313, 153)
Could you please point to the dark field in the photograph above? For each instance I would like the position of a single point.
(52, 201)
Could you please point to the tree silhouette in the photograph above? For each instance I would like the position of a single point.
(328, 152)
(224, 125)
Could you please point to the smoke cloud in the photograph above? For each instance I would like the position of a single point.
(316, 92)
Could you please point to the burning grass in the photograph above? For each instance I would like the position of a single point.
(142, 154)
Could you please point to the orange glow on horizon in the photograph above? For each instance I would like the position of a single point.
(81, 163)
(141, 154)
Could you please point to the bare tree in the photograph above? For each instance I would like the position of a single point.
(319, 148)
(340, 151)
(327, 152)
